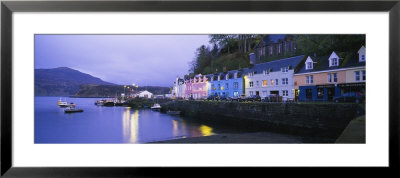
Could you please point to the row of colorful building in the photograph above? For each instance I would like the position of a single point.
(300, 78)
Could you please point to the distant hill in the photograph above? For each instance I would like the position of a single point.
(62, 81)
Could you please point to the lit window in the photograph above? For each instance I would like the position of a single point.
(265, 83)
(272, 82)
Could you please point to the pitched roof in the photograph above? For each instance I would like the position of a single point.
(276, 65)
(346, 60)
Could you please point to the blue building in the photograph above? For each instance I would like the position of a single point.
(229, 84)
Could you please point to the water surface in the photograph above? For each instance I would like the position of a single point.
(101, 124)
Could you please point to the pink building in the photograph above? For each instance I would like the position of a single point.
(188, 88)
(200, 86)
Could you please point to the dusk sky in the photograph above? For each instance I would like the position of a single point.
(153, 60)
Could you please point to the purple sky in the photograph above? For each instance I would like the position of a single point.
(153, 60)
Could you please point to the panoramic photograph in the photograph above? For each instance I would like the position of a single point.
(208, 88)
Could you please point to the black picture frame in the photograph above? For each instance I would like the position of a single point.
(8, 7)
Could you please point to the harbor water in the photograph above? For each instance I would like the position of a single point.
(102, 124)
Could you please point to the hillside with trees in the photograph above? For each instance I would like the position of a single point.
(230, 51)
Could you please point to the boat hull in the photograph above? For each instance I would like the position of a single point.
(73, 111)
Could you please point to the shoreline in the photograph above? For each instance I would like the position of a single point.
(244, 138)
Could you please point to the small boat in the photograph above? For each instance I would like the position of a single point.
(72, 109)
(99, 103)
(156, 107)
(109, 103)
(173, 112)
(62, 103)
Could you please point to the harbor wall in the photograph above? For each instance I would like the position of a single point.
(319, 119)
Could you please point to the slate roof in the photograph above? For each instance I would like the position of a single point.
(276, 65)
(322, 63)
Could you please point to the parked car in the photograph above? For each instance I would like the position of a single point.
(223, 98)
(213, 97)
(271, 98)
(356, 97)
(254, 98)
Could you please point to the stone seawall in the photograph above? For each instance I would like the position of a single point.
(324, 119)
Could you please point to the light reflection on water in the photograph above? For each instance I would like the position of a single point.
(109, 124)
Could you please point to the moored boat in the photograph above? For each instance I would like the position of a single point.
(72, 109)
(62, 103)
(156, 107)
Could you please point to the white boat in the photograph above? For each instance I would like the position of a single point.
(156, 107)
(62, 103)
(72, 109)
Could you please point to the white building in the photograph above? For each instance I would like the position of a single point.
(145, 94)
(275, 77)
(178, 90)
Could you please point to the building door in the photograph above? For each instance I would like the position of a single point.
(331, 93)
(309, 94)
(257, 93)
(296, 94)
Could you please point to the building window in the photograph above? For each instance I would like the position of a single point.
(285, 81)
(334, 62)
(257, 84)
(265, 83)
(227, 77)
(285, 69)
(272, 82)
(251, 93)
(235, 93)
(251, 74)
(219, 86)
(285, 93)
(276, 81)
(335, 77)
(235, 75)
(320, 93)
(227, 85)
(219, 78)
(363, 75)
(362, 57)
(329, 78)
(309, 65)
(357, 74)
(235, 85)
(307, 79)
(251, 84)
(311, 79)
